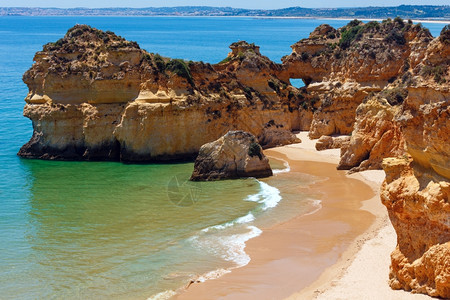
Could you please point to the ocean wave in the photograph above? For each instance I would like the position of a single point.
(269, 196)
(235, 245)
(212, 275)
(230, 244)
(228, 240)
(163, 295)
(286, 169)
(242, 220)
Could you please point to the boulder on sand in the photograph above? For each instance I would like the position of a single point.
(236, 154)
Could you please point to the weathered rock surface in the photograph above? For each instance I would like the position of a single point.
(274, 135)
(342, 66)
(329, 142)
(419, 210)
(236, 154)
(416, 191)
(376, 136)
(380, 120)
(151, 103)
(94, 95)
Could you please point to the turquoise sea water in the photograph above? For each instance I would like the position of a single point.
(89, 230)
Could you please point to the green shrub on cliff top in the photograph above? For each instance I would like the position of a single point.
(180, 68)
(349, 35)
(395, 96)
(438, 73)
(445, 34)
(159, 62)
(225, 60)
(395, 36)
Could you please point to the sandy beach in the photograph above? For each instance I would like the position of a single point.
(339, 252)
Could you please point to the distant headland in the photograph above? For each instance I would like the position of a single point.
(422, 12)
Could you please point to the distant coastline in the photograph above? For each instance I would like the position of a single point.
(415, 12)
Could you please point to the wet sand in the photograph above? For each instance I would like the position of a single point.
(291, 256)
(342, 251)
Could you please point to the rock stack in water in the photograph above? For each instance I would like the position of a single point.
(236, 154)
(95, 96)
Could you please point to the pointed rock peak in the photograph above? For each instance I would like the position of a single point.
(242, 47)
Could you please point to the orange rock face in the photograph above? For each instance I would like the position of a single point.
(419, 210)
(234, 155)
(376, 136)
(341, 67)
(94, 95)
(417, 189)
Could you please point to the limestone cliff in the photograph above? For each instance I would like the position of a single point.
(417, 188)
(342, 66)
(94, 95)
(376, 134)
(331, 142)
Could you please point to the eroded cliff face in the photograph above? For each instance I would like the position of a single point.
(94, 95)
(417, 188)
(376, 134)
(147, 106)
(341, 67)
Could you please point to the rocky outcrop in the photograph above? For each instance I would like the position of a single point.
(237, 154)
(275, 137)
(95, 96)
(419, 210)
(92, 79)
(417, 188)
(376, 134)
(341, 67)
(331, 142)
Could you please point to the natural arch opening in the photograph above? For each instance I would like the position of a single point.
(297, 82)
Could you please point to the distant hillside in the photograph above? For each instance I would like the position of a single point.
(405, 11)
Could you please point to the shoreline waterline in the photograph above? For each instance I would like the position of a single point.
(293, 254)
(268, 197)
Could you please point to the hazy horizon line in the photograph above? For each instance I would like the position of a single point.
(209, 6)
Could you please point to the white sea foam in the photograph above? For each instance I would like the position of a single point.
(235, 245)
(212, 275)
(317, 204)
(230, 244)
(286, 169)
(269, 196)
(163, 295)
(242, 220)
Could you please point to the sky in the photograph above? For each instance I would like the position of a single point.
(262, 4)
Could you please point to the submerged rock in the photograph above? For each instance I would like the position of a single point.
(234, 155)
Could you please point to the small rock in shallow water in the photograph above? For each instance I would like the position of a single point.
(234, 155)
